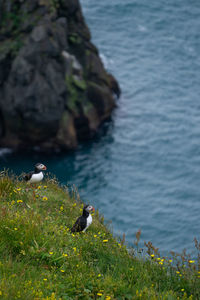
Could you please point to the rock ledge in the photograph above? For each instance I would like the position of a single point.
(54, 90)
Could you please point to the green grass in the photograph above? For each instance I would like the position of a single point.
(41, 259)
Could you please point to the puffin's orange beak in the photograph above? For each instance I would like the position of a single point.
(93, 209)
(44, 168)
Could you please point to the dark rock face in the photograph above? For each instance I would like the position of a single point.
(54, 90)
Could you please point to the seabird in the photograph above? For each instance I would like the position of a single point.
(36, 175)
(84, 221)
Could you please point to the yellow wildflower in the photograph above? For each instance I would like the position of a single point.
(74, 205)
(99, 294)
(65, 254)
(62, 270)
(19, 201)
(105, 241)
(152, 255)
(95, 235)
(45, 186)
(44, 198)
(74, 249)
(39, 187)
(0, 293)
(108, 297)
(50, 253)
(18, 189)
(191, 261)
(99, 275)
(45, 279)
(61, 208)
(23, 252)
(182, 290)
(15, 229)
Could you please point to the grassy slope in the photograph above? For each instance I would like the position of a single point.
(41, 259)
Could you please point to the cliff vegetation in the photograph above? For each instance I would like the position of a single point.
(41, 259)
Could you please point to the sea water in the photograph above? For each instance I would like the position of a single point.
(142, 171)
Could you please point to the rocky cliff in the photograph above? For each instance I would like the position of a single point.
(54, 90)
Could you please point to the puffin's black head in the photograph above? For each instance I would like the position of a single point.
(88, 208)
(40, 167)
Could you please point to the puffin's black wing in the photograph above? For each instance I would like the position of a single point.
(28, 176)
(79, 225)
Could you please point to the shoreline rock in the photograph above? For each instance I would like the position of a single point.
(54, 90)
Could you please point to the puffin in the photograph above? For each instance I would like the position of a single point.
(36, 175)
(84, 221)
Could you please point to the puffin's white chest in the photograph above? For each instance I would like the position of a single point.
(36, 177)
(89, 222)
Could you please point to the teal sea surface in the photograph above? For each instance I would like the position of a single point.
(142, 170)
